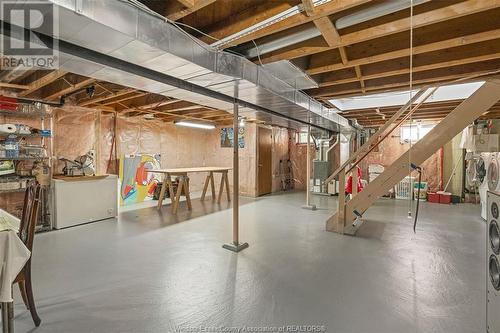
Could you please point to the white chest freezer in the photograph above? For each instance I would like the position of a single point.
(77, 202)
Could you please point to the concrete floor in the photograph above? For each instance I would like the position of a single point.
(148, 273)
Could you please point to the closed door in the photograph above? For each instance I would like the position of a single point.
(264, 161)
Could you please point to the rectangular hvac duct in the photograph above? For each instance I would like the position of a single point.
(121, 30)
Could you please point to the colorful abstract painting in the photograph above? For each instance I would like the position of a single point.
(136, 184)
(227, 137)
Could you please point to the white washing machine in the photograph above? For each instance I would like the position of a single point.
(482, 166)
(493, 172)
(493, 264)
(471, 182)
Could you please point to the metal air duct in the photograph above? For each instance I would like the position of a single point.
(375, 11)
(175, 64)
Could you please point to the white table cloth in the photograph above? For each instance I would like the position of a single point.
(13, 254)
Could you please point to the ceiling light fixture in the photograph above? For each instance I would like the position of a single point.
(265, 23)
(194, 124)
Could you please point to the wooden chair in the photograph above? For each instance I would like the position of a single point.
(26, 234)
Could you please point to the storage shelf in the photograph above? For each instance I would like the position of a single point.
(13, 191)
(23, 158)
(25, 114)
(32, 135)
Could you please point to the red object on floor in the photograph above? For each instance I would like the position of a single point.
(432, 197)
(444, 197)
(348, 185)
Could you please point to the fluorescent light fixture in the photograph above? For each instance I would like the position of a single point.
(194, 124)
(265, 23)
(444, 93)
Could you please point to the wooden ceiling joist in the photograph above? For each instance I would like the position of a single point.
(420, 20)
(70, 89)
(319, 66)
(326, 9)
(42, 82)
(308, 7)
(98, 100)
(176, 13)
(126, 98)
(416, 69)
(392, 86)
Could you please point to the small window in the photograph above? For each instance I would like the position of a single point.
(302, 138)
(414, 132)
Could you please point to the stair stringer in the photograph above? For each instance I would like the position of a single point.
(464, 114)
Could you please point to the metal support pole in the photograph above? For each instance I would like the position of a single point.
(308, 181)
(235, 246)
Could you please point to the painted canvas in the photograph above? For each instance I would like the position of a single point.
(227, 137)
(136, 184)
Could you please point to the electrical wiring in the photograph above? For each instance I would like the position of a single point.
(410, 168)
(178, 25)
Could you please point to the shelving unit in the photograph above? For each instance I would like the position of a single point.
(27, 158)
(45, 122)
(31, 135)
(12, 191)
(24, 114)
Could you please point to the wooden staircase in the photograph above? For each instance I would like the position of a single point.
(347, 219)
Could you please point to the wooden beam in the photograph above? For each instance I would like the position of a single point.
(430, 47)
(107, 97)
(242, 20)
(186, 3)
(360, 78)
(42, 82)
(199, 4)
(14, 74)
(416, 69)
(326, 9)
(126, 98)
(13, 86)
(308, 7)
(328, 31)
(420, 20)
(328, 92)
(70, 89)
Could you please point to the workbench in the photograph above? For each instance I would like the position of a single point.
(182, 174)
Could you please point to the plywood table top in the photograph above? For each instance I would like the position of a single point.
(190, 170)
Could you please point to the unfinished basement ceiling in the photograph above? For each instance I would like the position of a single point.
(140, 50)
(452, 39)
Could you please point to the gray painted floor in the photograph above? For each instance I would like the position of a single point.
(147, 273)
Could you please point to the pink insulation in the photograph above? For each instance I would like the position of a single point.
(179, 147)
(391, 148)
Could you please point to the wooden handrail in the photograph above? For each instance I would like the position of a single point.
(374, 137)
(370, 142)
(395, 126)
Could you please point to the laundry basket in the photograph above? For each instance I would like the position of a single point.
(404, 189)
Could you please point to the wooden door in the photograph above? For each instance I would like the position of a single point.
(264, 173)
